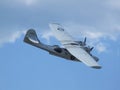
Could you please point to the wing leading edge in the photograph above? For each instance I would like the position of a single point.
(75, 50)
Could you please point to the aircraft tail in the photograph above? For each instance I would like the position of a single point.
(31, 37)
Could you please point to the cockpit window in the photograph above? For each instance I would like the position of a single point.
(61, 29)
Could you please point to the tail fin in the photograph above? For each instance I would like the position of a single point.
(31, 37)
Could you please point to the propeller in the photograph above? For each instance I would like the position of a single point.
(91, 48)
(88, 48)
(84, 42)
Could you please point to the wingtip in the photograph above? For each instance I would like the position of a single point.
(97, 67)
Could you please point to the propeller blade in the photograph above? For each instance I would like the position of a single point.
(84, 41)
(91, 48)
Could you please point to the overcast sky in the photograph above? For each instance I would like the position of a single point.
(98, 20)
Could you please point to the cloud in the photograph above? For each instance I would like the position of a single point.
(21, 2)
(28, 2)
(93, 32)
(93, 40)
(113, 4)
(47, 34)
(97, 36)
(101, 47)
(10, 37)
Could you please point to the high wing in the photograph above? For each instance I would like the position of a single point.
(74, 48)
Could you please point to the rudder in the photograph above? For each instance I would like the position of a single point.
(31, 37)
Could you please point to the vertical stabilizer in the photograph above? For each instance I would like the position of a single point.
(31, 37)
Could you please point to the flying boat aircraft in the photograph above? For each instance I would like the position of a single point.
(73, 50)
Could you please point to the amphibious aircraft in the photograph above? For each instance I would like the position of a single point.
(73, 50)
